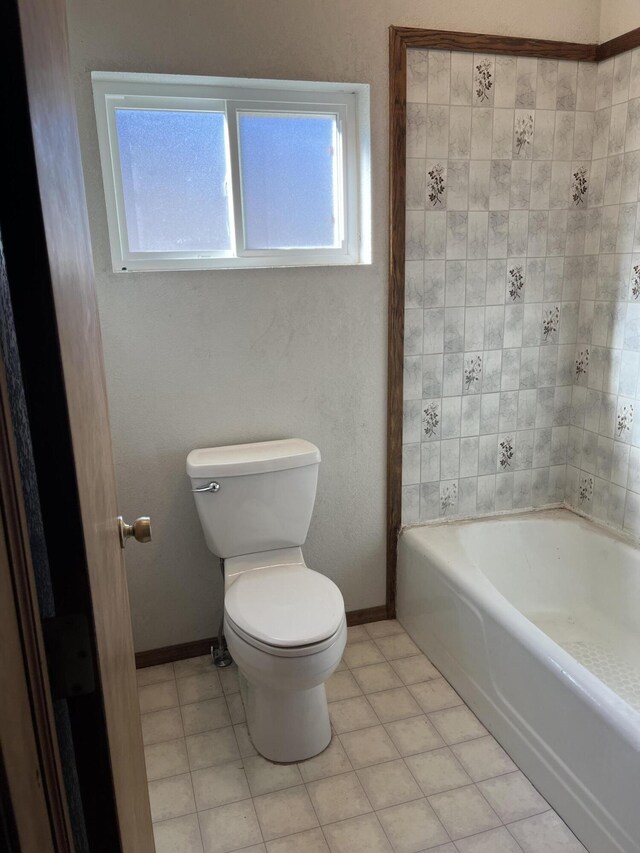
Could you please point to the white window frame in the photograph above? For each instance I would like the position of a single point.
(349, 103)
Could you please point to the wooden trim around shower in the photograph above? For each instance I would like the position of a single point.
(620, 44)
(401, 38)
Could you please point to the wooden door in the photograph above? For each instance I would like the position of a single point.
(60, 187)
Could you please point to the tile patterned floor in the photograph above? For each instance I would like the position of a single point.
(409, 769)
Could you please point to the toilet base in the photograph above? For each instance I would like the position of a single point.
(287, 726)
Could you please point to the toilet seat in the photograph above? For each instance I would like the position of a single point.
(286, 608)
(282, 651)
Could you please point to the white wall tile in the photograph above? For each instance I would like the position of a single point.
(439, 76)
(458, 184)
(461, 78)
(583, 136)
(479, 184)
(459, 132)
(434, 283)
(604, 84)
(586, 94)
(617, 129)
(526, 78)
(417, 76)
(547, 84)
(601, 123)
(621, 78)
(522, 297)
(544, 129)
(563, 135)
(436, 132)
(567, 87)
(505, 94)
(502, 142)
(481, 133)
(484, 78)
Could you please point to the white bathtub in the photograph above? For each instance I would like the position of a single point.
(535, 620)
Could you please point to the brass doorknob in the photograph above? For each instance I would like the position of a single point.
(140, 530)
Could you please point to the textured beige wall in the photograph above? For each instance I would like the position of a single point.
(204, 358)
(617, 17)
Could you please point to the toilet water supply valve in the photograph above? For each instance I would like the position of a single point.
(220, 655)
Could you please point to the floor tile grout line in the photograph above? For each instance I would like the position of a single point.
(458, 742)
(473, 784)
(488, 778)
(339, 735)
(197, 816)
(427, 714)
(208, 699)
(326, 840)
(508, 826)
(549, 808)
(412, 800)
(513, 836)
(260, 830)
(386, 834)
(425, 795)
(315, 811)
(154, 683)
(358, 769)
(422, 713)
(174, 817)
(375, 812)
(355, 770)
(503, 824)
(346, 772)
(447, 745)
(228, 707)
(170, 775)
(232, 803)
(373, 764)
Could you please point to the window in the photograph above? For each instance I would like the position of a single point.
(202, 172)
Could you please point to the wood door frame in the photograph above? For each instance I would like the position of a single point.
(27, 727)
(401, 39)
(37, 349)
(45, 231)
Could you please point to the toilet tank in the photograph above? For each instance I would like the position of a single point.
(265, 497)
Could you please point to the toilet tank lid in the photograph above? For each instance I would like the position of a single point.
(259, 457)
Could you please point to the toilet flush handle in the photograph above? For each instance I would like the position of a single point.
(210, 487)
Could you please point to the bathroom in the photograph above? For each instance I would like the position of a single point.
(479, 362)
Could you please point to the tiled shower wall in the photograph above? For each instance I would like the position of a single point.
(522, 182)
(603, 472)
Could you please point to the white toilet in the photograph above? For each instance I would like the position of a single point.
(284, 623)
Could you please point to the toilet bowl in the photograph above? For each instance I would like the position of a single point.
(284, 623)
(286, 629)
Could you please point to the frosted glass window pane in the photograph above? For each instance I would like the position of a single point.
(288, 180)
(173, 178)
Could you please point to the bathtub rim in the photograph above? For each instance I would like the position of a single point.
(470, 581)
(552, 510)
